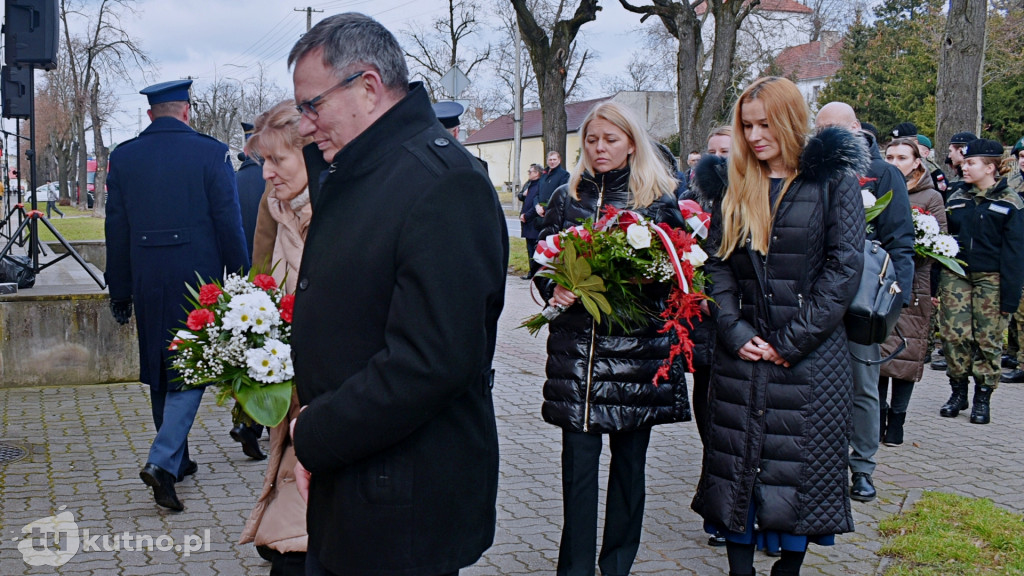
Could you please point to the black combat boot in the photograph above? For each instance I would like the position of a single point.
(980, 411)
(958, 400)
(894, 428)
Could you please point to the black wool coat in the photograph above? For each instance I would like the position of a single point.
(779, 437)
(599, 377)
(396, 310)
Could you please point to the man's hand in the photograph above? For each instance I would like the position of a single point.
(122, 310)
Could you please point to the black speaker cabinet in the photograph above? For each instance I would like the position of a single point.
(16, 91)
(32, 34)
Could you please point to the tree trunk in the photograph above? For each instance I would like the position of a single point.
(83, 164)
(961, 63)
(728, 17)
(549, 56)
(688, 81)
(100, 181)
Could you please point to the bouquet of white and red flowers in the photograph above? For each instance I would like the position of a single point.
(608, 263)
(236, 337)
(930, 242)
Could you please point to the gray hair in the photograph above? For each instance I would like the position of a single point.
(353, 38)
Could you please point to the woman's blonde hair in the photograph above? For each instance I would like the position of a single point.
(911, 143)
(745, 210)
(649, 178)
(278, 126)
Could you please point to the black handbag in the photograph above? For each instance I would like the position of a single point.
(876, 307)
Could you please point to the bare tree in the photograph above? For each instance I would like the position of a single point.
(700, 98)
(436, 49)
(105, 47)
(642, 74)
(832, 15)
(550, 50)
(961, 62)
(217, 110)
(55, 137)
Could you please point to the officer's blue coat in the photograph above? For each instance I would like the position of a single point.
(172, 211)
(250, 191)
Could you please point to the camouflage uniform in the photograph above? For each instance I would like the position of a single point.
(972, 326)
(1015, 337)
(989, 228)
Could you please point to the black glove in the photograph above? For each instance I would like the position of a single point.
(122, 310)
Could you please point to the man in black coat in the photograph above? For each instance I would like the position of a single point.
(894, 229)
(553, 178)
(397, 303)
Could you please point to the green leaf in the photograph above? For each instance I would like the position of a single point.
(267, 404)
(881, 204)
(591, 307)
(602, 303)
(950, 263)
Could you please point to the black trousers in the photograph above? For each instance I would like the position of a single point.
(531, 247)
(624, 508)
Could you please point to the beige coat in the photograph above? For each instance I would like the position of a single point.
(279, 519)
(915, 320)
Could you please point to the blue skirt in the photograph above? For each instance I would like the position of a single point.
(769, 540)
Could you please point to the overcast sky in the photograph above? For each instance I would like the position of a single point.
(206, 39)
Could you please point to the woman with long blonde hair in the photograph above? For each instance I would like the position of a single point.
(790, 235)
(599, 376)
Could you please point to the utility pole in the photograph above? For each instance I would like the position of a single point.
(309, 15)
(517, 118)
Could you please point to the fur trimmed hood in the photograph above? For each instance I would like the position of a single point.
(829, 153)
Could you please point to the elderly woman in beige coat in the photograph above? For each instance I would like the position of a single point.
(277, 525)
(915, 320)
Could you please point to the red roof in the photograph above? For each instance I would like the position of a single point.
(771, 6)
(502, 128)
(806, 62)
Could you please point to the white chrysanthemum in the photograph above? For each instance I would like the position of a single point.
(926, 224)
(254, 311)
(946, 245)
(271, 363)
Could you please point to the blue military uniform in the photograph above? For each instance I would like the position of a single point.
(172, 212)
(251, 186)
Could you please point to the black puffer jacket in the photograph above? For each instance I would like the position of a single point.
(599, 378)
(777, 435)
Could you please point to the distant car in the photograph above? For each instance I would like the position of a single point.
(48, 192)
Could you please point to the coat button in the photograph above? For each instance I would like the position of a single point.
(441, 142)
(144, 237)
(304, 283)
(760, 412)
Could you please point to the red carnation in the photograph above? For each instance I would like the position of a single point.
(287, 307)
(265, 282)
(626, 219)
(208, 294)
(198, 319)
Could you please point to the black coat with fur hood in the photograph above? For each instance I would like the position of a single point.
(778, 438)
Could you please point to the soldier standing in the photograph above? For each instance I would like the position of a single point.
(172, 212)
(986, 219)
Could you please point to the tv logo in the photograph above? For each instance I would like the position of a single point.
(50, 541)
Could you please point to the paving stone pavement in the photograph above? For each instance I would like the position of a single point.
(86, 445)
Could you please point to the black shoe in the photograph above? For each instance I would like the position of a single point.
(1015, 376)
(191, 468)
(980, 409)
(863, 490)
(1008, 362)
(773, 552)
(249, 440)
(957, 400)
(894, 428)
(716, 540)
(938, 364)
(162, 483)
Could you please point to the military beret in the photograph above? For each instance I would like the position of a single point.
(924, 140)
(983, 148)
(448, 113)
(1017, 147)
(904, 129)
(962, 138)
(248, 129)
(172, 91)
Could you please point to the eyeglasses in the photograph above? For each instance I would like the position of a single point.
(308, 107)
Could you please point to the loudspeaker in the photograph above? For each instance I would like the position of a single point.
(16, 91)
(32, 33)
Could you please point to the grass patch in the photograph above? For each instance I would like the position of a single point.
(75, 225)
(951, 535)
(517, 261)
